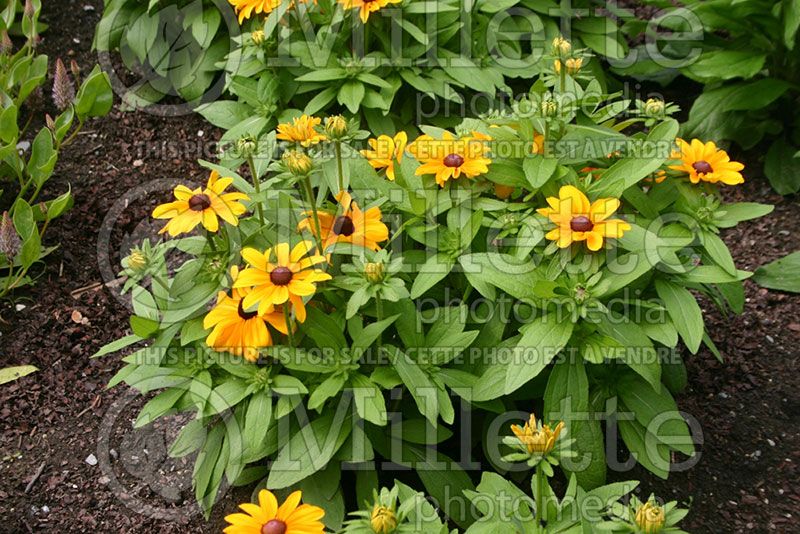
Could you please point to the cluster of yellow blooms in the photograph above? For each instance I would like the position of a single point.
(276, 280)
(247, 8)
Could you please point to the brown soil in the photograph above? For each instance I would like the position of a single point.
(52, 421)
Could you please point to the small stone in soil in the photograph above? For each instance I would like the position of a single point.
(91, 459)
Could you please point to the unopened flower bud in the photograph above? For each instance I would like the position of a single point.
(549, 108)
(75, 70)
(374, 272)
(9, 240)
(137, 261)
(6, 45)
(297, 162)
(246, 146)
(258, 37)
(654, 107)
(383, 520)
(561, 47)
(63, 89)
(650, 518)
(28, 10)
(48, 120)
(336, 127)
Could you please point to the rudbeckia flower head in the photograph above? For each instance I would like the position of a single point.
(367, 7)
(202, 205)
(577, 219)
(267, 517)
(384, 151)
(238, 330)
(537, 438)
(705, 162)
(301, 130)
(450, 157)
(349, 225)
(650, 517)
(280, 274)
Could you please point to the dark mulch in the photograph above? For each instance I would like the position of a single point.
(52, 421)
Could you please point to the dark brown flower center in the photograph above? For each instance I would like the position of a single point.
(274, 526)
(453, 160)
(245, 315)
(581, 223)
(702, 167)
(199, 202)
(280, 276)
(343, 225)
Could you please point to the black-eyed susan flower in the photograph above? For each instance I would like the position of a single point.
(201, 206)
(279, 275)
(237, 330)
(450, 157)
(367, 7)
(705, 162)
(537, 438)
(302, 130)
(384, 151)
(267, 517)
(578, 220)
(650, 517)
(246, 8)
(349, 225)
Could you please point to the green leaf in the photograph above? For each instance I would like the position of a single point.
(782, 274)
(684, 311)
(9, 374)
(656, 412)
(541, 340)
(514, 276)
(431, 272)
(257, 420)
(144, 327)
(419, 385)
(310, 449)
(630, 170)
(725, 65)
(95, 97)
(539, 169)
(730, 215)
(791, 22)
(782, 167)
(719, 252)
(351, 94)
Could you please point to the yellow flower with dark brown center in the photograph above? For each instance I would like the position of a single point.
(383, 520)
(238, 330)
(450, 157)
(301, 130)
(278, 275)
(384, 151)
(349, 225)
(267, 517)
(367, 7)
(578, 220)
(205, 206)
(246, 8)
(538, 439)
(650, 518)
(705, 162)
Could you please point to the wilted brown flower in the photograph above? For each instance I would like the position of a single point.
(9, 240)
(63, 89)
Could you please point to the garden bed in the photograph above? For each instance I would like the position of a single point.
(748, 407)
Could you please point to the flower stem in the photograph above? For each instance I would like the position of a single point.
(379, 315)
(540, 508)
(210, 240)
(287, 316)
(338, 147)
(257, 187)
(315, 216)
